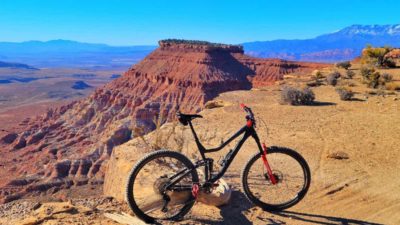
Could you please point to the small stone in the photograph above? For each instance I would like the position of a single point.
(338, 155)
(37, 205)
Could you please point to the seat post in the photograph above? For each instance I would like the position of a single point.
(196, 138)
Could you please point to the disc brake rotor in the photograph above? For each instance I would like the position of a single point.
(277, 174)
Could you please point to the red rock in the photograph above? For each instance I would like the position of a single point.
(183, 76)
(394, 54)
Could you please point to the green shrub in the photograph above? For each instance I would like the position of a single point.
(376, 57)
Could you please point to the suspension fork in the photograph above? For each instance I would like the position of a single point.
(263, 150)
(266, 164)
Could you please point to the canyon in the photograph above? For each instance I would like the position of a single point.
(69, 146)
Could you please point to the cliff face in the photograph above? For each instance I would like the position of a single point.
(69, 145)
(267, 71)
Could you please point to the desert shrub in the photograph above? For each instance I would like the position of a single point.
(196, 42)
(366, 71)
(318, 75)
(345, 94)
(376, 57)
(387, 77)
(168, 138)
(345, 65)
(391, 86)
(373, 80)
(294, 96)
(316, 79)
(389, 63)
(350, 74)
(332, 78)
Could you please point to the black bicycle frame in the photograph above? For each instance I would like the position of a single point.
(208, 162)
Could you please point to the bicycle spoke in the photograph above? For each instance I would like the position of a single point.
(148, 188)
(287, 171)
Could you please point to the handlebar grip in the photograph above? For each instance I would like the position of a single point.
(245, 108)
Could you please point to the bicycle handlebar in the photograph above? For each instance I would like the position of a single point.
(250, 116)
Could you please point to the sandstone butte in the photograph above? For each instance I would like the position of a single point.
(69, 145)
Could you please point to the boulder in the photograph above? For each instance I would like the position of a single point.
(219, 195)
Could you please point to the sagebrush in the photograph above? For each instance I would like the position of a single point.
(294, 96)
(345, 94)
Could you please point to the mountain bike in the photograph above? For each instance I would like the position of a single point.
(164, 184)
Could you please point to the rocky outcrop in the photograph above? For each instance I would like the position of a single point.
(9, 138)
(267, 71)
(74, 141)
(393, 54)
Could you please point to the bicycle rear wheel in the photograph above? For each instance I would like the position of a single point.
(146, 191)
(291, 172)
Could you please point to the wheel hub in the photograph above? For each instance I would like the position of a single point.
(159, 185)
(277, 175)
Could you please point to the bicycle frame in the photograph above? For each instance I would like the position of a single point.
(247, 131)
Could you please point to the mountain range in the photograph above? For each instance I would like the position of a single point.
(341, 45)
(72, 54)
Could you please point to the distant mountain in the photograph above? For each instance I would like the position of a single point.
(16, 65)
(344, 44)
(65, 53)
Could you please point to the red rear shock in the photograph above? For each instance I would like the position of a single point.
(269, 171)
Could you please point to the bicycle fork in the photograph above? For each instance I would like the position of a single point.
(266, 164)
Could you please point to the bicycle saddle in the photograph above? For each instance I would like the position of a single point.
(186, 118)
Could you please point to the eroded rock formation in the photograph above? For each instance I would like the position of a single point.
(69, 145)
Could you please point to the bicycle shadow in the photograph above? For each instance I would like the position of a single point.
(234, 213)
(322, 219)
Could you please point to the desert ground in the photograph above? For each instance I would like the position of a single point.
(359, 188)
(28, 93)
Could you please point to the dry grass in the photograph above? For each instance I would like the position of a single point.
(161, 138)
(345, 94)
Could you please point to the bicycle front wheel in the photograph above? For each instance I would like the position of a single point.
(290, 171)
(150, 193)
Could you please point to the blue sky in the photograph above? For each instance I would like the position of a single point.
(129, 22)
